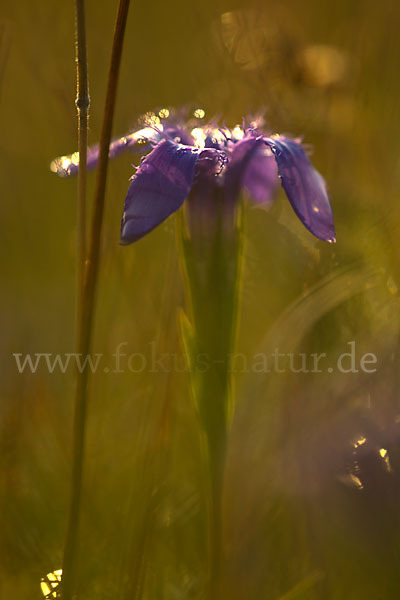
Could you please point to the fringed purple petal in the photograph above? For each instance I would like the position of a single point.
(304, 187)
(210, 164)
(158, 189)
(65, 166)
(204, 206)
(260, 178)
(211, 142)
(178, 134)
(252, 167)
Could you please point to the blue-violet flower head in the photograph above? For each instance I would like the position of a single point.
(183, 159)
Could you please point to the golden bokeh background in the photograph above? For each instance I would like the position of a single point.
(311, 497)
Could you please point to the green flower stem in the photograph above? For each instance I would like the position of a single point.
(212, 264)
(86, 312)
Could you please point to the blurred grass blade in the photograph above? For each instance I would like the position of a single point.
(301, 591)
(86, 313)
(82, 104)
(329, 292)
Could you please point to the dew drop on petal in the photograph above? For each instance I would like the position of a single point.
(237, 133)
(199, 113)
(62, 165)
(199, 137)
(149, 119)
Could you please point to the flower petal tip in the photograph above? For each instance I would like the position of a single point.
(63, 166)
(304, 187)
(124, 241)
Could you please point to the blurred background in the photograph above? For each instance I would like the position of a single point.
(313, 480)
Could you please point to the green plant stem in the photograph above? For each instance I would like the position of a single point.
(212, 264)
(82, 103)
(86, 313)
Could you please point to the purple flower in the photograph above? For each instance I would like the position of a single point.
(198, 161)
